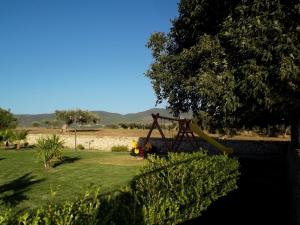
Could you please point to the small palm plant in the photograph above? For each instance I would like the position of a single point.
(49, 148)
(19, 136)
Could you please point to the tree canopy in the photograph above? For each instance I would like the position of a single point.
(7, 120)
(237, 60)
(76, 116)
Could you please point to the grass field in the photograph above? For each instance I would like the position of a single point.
(25, 183)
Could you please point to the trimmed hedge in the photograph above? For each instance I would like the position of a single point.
(166, 191)
(118, 208)
(178, 188)
(80, 147)
(82, 211)
(119, 148)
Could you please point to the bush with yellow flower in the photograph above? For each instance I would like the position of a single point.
(139, 150)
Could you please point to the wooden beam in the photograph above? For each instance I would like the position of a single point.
(156, 124)
(169, 118)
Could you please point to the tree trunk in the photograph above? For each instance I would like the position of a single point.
(295, 132)
(75, 139)
(64, 128)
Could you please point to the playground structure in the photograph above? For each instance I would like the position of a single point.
(186, 128)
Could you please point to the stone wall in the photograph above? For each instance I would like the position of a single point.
(89, 141)
(244, 149)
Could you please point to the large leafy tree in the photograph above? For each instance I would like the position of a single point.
(238, 60)
(7, 120)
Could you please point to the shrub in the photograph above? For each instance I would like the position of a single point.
(119, 148)
(80, 147)
(112, 126)
(19, 136)
(6, 216)
(82, 211)
(123, 125)
(35, 124)
(119, 208)
(178, 188)
(49, 148)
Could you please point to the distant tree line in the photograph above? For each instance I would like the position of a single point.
(8, 133)
(47, 123)
(134, 126)
(206, 122)
(67, 118)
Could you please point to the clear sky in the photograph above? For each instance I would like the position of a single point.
(88, 54)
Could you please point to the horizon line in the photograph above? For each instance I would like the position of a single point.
(24, 114)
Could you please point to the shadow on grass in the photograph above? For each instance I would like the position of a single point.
(2, 159)
(15, 191)
(66, 160)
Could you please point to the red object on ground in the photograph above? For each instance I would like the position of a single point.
(141, 152)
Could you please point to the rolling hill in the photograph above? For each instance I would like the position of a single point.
(26, 120)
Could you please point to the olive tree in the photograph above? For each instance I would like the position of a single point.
(76, 117)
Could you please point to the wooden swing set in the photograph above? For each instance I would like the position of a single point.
(184, 130)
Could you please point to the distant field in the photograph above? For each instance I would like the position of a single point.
(98, 132)
(25, 183)
(155, 133)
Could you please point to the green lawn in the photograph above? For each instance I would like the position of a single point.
(25, 183)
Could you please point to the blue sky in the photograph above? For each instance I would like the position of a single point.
(88, 54)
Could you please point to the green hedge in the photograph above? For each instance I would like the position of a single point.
(166, 191)
(118, 208)
(119, 148)
(83, 211)
(80, 147)
(182, 186)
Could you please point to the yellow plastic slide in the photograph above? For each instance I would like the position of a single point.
(196, 129)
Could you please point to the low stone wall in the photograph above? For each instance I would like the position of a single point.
(257, 149)
(89, 142)
(244, 149)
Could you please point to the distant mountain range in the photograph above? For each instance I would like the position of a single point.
(106, 118)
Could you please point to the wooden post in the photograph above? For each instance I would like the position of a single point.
(154, 116)
(184, 130)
